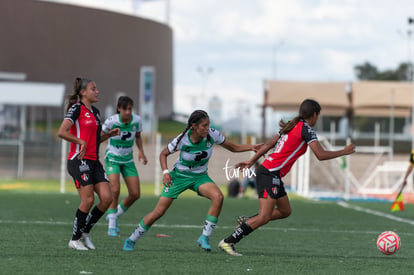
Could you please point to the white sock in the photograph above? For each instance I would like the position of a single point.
(139, 231)
(208, 228)
(119, 211)
(112, 220)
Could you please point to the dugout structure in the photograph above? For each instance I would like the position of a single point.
(24, 95)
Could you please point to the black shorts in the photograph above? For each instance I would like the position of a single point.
(85, 172)
(269, 184)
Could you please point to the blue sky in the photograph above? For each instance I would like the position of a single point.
(241, 43)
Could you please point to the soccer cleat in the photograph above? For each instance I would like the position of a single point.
(86, 238)
(203, 242)
(129, 245)
(228, 248)
(77, 245)
(240, 220)
(113, 232)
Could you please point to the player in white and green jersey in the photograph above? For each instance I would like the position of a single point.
(119, 159)
(195, 145)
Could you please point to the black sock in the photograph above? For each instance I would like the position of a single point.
(78, 224)
(92, 218)
(239, 233)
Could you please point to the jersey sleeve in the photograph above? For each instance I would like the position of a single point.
(109, 122)
(173, 144)
(308, 134)
(217, 136)
(139, 121)
(73, 112)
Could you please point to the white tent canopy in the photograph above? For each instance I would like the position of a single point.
(31, 93)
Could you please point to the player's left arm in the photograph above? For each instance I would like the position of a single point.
(141, 154)
(322, 154)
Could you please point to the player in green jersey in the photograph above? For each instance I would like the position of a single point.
(195, 145)
(119, 159)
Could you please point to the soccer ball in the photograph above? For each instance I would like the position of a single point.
(388, 242)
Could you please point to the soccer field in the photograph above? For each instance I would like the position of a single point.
(321, 237)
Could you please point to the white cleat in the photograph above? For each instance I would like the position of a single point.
(228, 248)
(86, 238)
(77, 245)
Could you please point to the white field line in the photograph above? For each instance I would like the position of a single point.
(376, 213)
(189, 226)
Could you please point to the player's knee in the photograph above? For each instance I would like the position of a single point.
(285, 212)
(88, 202)
(116, 192)
(134, 196)
(106, 199)
(218, 197)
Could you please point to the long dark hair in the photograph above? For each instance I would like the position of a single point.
(123, 102)
(196, 117)
(78, 85)
(306, 110)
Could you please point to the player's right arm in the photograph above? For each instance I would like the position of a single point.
(64, 132)
(166, 177)
(262, 151)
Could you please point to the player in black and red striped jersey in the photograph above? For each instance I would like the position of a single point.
(292, 141)
(82, 128)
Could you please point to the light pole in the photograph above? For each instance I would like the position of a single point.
(204, 72)
(407, 36)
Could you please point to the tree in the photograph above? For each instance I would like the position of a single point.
(368, 71)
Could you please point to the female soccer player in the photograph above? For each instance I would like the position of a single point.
(82, 128)
(291, 142)
(195, 144)
(119, 159)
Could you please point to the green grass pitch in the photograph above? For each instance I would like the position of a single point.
(321, 237)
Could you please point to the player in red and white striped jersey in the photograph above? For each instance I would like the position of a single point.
(292, 141)
(82, 128)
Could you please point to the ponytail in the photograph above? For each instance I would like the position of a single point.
(78, 85)
(286, 127)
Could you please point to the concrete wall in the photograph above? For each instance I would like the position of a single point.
(53, 42)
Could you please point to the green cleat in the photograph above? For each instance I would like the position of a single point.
(129, 245)
(113, 232)
(203, 242)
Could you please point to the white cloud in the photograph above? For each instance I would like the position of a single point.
(322, 41)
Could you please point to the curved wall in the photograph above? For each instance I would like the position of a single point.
(53, 42)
